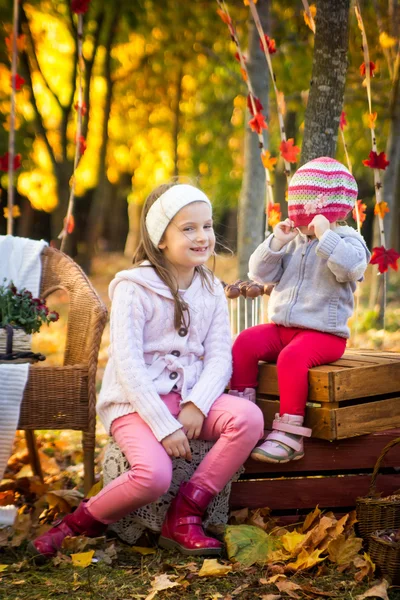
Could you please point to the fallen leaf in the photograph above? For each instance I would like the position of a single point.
(270, 597)
(64, 500)
(312, 590)
(239, 516)
(142, 550)
(247, 544)
(306, 560)
(159, 583)
(342, 551)
(365, 565)
(212, 568)
(97, 487)
(273, 579)
(80, 542)
(239, 589)
(22, 528)
(313, 516)
(377, 591)
(334, 531)
(292, 540)
(83, 559)
(3, 568)
(288, 588)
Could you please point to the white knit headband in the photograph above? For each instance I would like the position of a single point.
(167, 205)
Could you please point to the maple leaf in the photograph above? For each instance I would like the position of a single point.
(244, 74)
(384, 258)
(212, 568)
(224, 16)
(159, 583)
(15, 212)
(372, 69)
(21, 43)
(342, 121)
(4, 161)
(257, 104)
(82, 145)
(310, 22)
(376, 161)
(288, 151)
(270, 44)
(380, 209)
(70, 226)
(83, 108)
(79, 7)
(361, 211)
(19, 82)
(257, 123)
(247, 544)
(268, 161)
(306, 560)
(274, 218)
(371, 118)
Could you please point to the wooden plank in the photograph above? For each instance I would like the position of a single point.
(366, 381)
(321, 420)
(306, 492)
(348, 454)
(320, 382)
(366, 418)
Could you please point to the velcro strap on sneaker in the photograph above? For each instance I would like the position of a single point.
(189, 521)
(277, 436)
(289, 428)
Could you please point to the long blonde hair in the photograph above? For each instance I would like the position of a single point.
(147, 251)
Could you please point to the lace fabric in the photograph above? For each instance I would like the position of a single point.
(151, 516)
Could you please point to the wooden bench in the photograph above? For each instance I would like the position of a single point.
(354, 411)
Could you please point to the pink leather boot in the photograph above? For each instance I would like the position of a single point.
(79, 522)
(182, 528)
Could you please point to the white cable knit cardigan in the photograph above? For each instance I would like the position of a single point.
(148, 357)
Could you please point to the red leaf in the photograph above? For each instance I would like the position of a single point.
(288, 151)
(19, 82)
(270, 44)
(83, 108)
(257, 123)
(384, 258)
(376, 161)
(342, 122)
(224, 16)
(4, 162)
(70, 225)
(79, 7)
(82, 145)
(361, 211)
(257, 103)
(372, 68)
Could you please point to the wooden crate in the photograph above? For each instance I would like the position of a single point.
(331, 474)
(356, 395)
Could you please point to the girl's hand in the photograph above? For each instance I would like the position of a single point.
(176, 445)
(192, 419)
(320, 224)
(284, 233)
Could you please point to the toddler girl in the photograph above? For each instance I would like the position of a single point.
(169, 363)
(314, 264)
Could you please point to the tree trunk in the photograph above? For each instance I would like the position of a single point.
(328, 80)
(252, 196)
(176, 120)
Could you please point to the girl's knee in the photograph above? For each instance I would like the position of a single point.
(155, 477)
(249, 418)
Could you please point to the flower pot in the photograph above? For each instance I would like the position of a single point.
(13, 339)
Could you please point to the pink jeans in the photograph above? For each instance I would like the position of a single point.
(295, 350)
(233, 423)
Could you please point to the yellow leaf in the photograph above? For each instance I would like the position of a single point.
(380, 209)
(277, 556)
(306, 560)
(143, 551)
(291, 540)
(159, 583)
(311, 518)
(310, 22)
(15, 212)
(268, 161)
(273, 579)
(247, 2)
(64, 499)
(371, 118)
(365, 566)
(95, 489)
(3, 568)
(334, 531)
(342, 551)
(83, 559)
(386, 41)
(212, 568)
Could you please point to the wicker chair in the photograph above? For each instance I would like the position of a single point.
(64, 397)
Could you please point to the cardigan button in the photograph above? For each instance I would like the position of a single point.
(175, 353)
(173, 375)
(182, 331)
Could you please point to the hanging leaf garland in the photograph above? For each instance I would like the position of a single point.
(385, 258)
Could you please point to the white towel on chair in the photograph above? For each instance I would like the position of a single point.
(20, 263)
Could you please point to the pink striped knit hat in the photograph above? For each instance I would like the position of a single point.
(322, 186)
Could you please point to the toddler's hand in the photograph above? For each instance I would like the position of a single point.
(192, 419)
(283, 234)
(176, 444)
(320, 224)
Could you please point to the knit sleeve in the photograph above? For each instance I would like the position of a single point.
(347, 257)
(127, 324)
(265, 265)
(217, 368)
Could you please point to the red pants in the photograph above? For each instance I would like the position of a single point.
(295, 351)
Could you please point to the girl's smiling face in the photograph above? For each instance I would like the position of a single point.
(189, 239)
